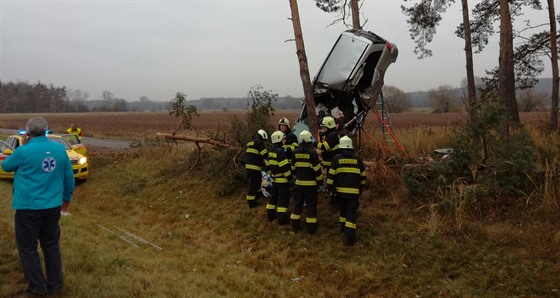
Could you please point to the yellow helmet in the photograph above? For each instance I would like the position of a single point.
(305, 136)
(284, 121)
(328, 122)
(263, 134)
(345, 143)
(276, 137)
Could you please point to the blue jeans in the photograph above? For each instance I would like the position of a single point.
(40, 226)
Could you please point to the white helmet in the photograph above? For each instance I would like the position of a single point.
(284, 121)
(305, 136)
(328, 122)
(276, 137)
(263, 134)
(345, 143)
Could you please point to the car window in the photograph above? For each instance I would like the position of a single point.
(4, 146)
(61, 141)
(13, 141)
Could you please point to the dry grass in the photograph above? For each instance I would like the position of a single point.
(222, 248)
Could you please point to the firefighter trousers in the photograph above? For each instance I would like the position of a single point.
(278, 203)
(347, 218)
(307, 195)
(254, 188)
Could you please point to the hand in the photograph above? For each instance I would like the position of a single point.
(64, 207)
(24, 139)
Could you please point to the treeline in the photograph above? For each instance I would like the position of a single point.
(22, 97)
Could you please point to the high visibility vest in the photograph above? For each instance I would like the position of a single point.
(78, 132)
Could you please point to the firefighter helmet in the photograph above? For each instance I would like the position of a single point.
(305, 136)
(284, 121)
(276, 137)
(345, 143)
(328, 122)
(263, 134)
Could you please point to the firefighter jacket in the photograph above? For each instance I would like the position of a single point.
(347, 175)
(255, 154)
(307, 166)
(329, 147)
(278, 165)
(290, 145)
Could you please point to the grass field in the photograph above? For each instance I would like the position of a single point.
(217, 247)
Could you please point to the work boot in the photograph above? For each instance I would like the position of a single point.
(296, 225)
(283, 218)
(271, 214)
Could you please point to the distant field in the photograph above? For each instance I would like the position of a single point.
(134, 124)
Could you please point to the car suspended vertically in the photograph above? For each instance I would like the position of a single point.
(350, 79)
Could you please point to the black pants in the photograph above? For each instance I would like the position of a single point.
(307, 195)
(254, 187)
(278, 203)
(348, 216)
(32, 226)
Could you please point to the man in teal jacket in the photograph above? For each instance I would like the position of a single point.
(43, 187)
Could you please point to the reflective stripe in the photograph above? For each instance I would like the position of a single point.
(317, 167)
(306, 182)
(347, 170)
(320, 178)
(300, 164)
(350, 225)
(330, 181)
(295, 217)
(250, 198)
(311, 220)
(341, 219)
(273, 162)
(282, 209)
(270, 207)
(348, 190)
(326, 163)
(252, 167)
(252, 150)
(280, 180)
(283, 163)
(263, 152)
(332, 171)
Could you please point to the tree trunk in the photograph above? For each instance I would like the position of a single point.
(506, 72)
(554, 62)
(304, 71)
(355, 15)
(471, 88)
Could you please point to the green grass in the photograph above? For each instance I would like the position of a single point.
(226, 249)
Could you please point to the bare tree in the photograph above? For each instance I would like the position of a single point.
(304, 70)
(530, 100)
(441, 98)
(396, 101)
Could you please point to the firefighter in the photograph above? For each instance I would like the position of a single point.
(74, 129)
(347, 178)
(279, 168)
(291, 140)
(329, 147)
(308, 178)
(254, 162)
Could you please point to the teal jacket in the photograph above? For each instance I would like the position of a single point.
(43, 175)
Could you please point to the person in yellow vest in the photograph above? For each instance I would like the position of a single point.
(74, 129)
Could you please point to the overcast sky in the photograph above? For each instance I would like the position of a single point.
(209, 48)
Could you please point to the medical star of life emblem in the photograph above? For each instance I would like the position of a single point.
(49, 164)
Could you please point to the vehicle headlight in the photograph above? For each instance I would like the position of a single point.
(82, 161)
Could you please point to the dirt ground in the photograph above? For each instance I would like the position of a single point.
(144, 123)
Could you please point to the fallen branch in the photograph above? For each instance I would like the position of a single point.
(195, 140)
